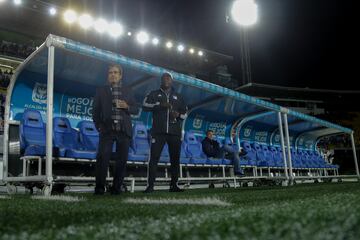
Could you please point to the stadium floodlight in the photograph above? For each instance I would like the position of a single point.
(200, 53)
(86, 21)
(70, 16)
(142, 37)
(191, 51)
(52, 11)
(169, 44)
(101, 25)
(244, 12)
(155, 41)
(129, 34)
(17, 2)
(115, 29)
(180, 47)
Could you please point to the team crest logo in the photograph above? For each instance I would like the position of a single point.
(247, 132)
(39, 93)
(198, 120)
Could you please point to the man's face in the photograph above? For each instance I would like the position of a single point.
(233, 134)
(166, 81)
(114, 75)
(210, 135)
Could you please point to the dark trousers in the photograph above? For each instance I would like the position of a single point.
(157, 144)
(103, 158)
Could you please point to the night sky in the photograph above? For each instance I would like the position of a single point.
(298, 43)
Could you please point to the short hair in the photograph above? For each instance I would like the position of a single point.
(166, 74)
(118, 66)
(208, 131)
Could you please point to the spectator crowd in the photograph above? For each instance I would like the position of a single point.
(15, 50)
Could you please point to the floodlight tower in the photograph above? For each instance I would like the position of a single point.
(245, 14)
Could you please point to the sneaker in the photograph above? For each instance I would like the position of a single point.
(240, 173)
(175, 189)
(148, 190)
(99, 193)
(242, 153)
(113, 192)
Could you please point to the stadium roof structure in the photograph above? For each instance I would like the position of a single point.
(332, 99)
(61, 72)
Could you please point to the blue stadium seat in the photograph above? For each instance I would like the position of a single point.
(250, 157)
(32, 134)
(318, 159)
(294, 158)
(279, 162)
(310, 161)
(140, 145)
(269, 157)
(89, 136)
(194, 149)
(214, 161)
(165, 156)
(229, 162)
(260, 155)
(302, 159)
(184, 159)
(323, 161)
(66, 140)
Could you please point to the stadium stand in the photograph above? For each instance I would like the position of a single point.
(15, 50)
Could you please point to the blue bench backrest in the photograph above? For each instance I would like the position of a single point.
(89, 136)
(140, 143)
(64, 136)
(32, 129)
(193, 146)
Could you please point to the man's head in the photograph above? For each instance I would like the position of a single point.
(166, 81)
(233, 133)
(115, 72)
(209, 134)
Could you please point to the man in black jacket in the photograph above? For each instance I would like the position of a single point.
(168, 111)
(113, 105)
(212, 149)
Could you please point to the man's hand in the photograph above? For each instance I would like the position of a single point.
(122, 104)
(165, 105)
(174, 114)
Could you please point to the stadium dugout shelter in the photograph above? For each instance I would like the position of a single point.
(50, 139)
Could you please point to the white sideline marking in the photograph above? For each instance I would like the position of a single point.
(58, 198)
(173, 201)
(4, 197)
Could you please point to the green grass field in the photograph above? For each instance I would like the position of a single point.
(311, 211)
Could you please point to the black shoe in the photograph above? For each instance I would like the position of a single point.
(99, 193)
(148, 190)
(242, 153)
(115, 193)
(240, 173)
(175, 189)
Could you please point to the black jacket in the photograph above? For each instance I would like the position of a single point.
(102, 109)
(163, 122)
(210, 147)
